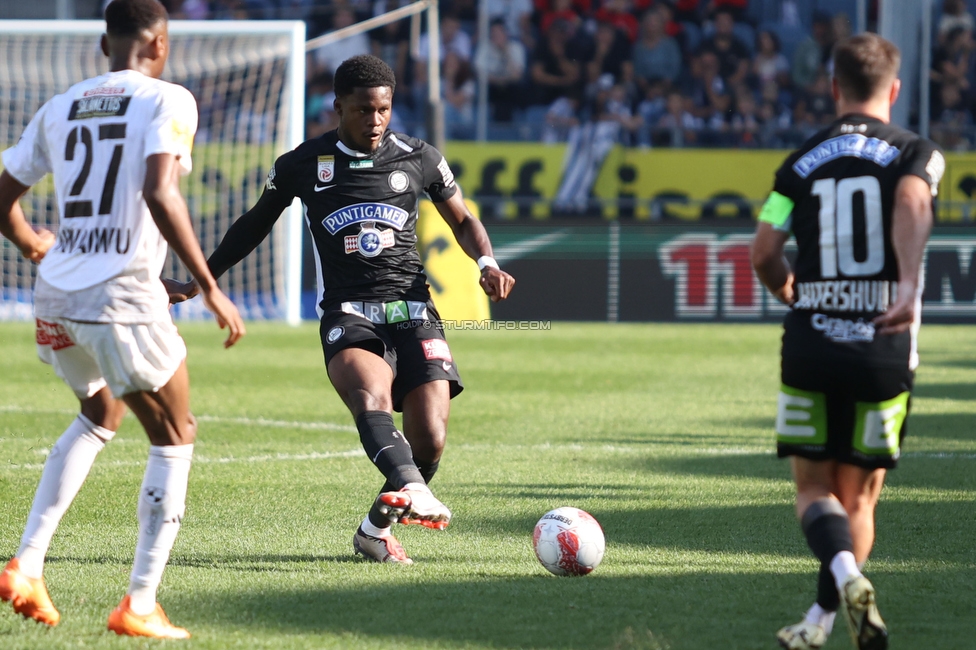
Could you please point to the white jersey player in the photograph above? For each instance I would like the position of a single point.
(116, 146)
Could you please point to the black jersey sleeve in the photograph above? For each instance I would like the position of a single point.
(438, 177)
(923, 158)
(786, 181)
(255, 224)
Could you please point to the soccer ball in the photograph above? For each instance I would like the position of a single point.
(568, 542)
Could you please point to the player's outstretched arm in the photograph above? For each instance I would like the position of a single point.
(473, 239)
(241, 238)
(771, 265)
(33, 244)
(911, 223)
(162, 194)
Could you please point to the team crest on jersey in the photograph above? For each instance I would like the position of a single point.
(370, 241)
(398, 181)
(326, 168)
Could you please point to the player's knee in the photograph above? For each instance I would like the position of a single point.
(429, 445)
(104, 411)
(360, 400)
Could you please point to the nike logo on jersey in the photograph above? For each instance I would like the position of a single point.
(446, 366)
(319, 188)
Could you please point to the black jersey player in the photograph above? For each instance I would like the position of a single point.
(858, 198)
(383, 341)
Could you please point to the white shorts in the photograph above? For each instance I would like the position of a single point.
(126, 358)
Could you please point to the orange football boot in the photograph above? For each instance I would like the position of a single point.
(123, 621)
(28, 595)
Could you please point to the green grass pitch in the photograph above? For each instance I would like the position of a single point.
(663, 432)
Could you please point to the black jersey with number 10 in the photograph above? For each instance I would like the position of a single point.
(842, 183)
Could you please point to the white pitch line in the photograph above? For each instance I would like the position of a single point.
(331, 426)
(217, 419)
(206, 460)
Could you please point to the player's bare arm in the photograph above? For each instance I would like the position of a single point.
(772, 267)
(473, 239)
(162, 194)
(33, 243)
(911, 222)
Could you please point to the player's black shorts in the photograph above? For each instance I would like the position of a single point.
(838, 405)
(407, 334)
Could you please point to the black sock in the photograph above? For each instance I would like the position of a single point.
(427, 470)
(387, 448)
(828, 530)
(827, 596)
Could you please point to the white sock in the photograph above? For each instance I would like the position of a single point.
(819, 616)
(372, 530)
(162, 502)
(417, 487)
(65, 471)
(844, 567)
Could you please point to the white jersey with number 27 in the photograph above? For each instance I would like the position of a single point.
(95, 139)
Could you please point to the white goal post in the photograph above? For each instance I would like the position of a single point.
(249, 81)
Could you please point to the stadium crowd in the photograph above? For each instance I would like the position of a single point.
(743, 73)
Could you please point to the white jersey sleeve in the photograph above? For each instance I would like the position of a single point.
(29, 160)
(173, 127)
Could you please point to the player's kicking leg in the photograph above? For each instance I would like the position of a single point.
(831, 536)
(364, 381)
(165, 415)
(67, 466)
(425, 413)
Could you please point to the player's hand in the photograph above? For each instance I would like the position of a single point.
(38, 248)
(180, 291)
(901, 313)
(785, 293)
(226, 314)
(496, 283)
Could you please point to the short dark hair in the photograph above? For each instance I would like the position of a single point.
(863, 64)
(132, 17)
(363, 71)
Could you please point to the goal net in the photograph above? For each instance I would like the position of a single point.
(248, 80)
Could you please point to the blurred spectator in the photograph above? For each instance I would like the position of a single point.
(502, 59)
(620, 14)
(656, 55)
(320, 116)
(612, 106)
(611, 56)
(228, 10)
(732, 53)
(458, 88)
(391, 42)
(191, 10)
(654, 104)
(561, 117)
(745, 122)
(688, 11)
(954, 14)
(681, 125)
(952, 120)
(453, 39)
(706, 86)
(812, 53)
(331, 55)
(735, 8)
(814, 106)
(560, 10)
(950, 65)
(769, 63)
(517, 15)
(554, 74)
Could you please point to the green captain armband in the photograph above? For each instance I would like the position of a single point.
(777, 211)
